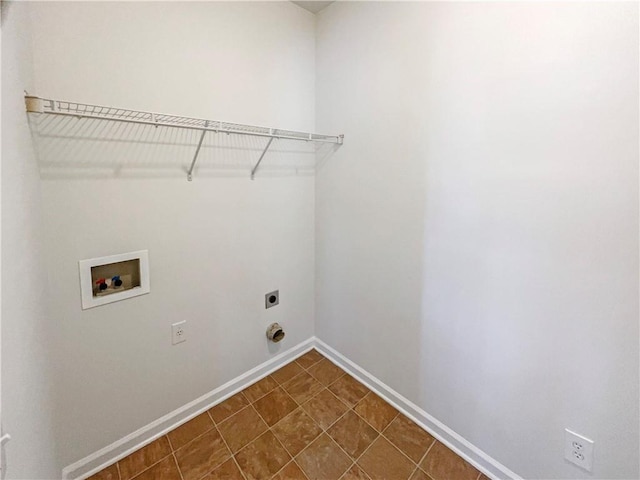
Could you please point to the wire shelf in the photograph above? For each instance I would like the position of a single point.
(63, 108)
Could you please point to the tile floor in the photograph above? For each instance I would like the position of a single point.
(309, 420)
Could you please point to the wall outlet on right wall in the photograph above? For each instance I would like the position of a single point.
(578, 450)
(179, 332)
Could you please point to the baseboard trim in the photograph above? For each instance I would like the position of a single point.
(119, 449)
(472, 454)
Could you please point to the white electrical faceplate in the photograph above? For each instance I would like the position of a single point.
(179, 332)
(578, 450)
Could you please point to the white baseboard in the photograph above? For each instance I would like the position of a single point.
(437, 429)
(119, 449)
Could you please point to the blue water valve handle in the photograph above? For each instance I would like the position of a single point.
(116, 280)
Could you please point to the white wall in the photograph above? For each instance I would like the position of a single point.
(26, 377)
(477, 234)
(216, 245)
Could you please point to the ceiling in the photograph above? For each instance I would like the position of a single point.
(313, 7)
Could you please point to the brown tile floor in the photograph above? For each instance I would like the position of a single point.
(309, 420)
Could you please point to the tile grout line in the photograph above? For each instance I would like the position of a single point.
(241, 393)
(333, 394)
(284, 466)
(327, 387)
(325, 431)
(369, 423)
(365, 451)
(381, 434)
(293, 378)
(403, 453)
(233, 457)
(276, 437)
(169, 440)
(290, 378)
(303, 370)
(413, 472)
(270, 428)
(347, 470)
(354, 464)
(316, 379)
(150, 466)
(196, 437)
(261, 396)
(221, 463)
(234, 414)
(313, 377)
(295, 360)
(117, 463)
(390, 441)
(425, 456)
(283, 446)
(171, 449)
(251, 404)
(258, 436)
(314, 363)
(343, 373)
(345, 404)
(173, 452)
(339, 446)
(303, 472)
(338, 419)
(261, 418)
(299, 405)
(177, 465)
(211, 418)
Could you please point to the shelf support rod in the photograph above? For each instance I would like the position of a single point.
(253, 172)
(195, 156)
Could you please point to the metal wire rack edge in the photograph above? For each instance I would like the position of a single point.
(47, 106)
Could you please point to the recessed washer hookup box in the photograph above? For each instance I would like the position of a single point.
(113, 278)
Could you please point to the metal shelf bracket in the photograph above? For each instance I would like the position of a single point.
(253, 172)
(195, 156)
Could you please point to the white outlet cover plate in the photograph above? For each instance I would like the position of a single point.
(578, 450)
(179, 332)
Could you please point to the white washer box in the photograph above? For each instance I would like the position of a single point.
(132, 268)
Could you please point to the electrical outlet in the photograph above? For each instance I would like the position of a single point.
(578, 450)
(179, 332)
